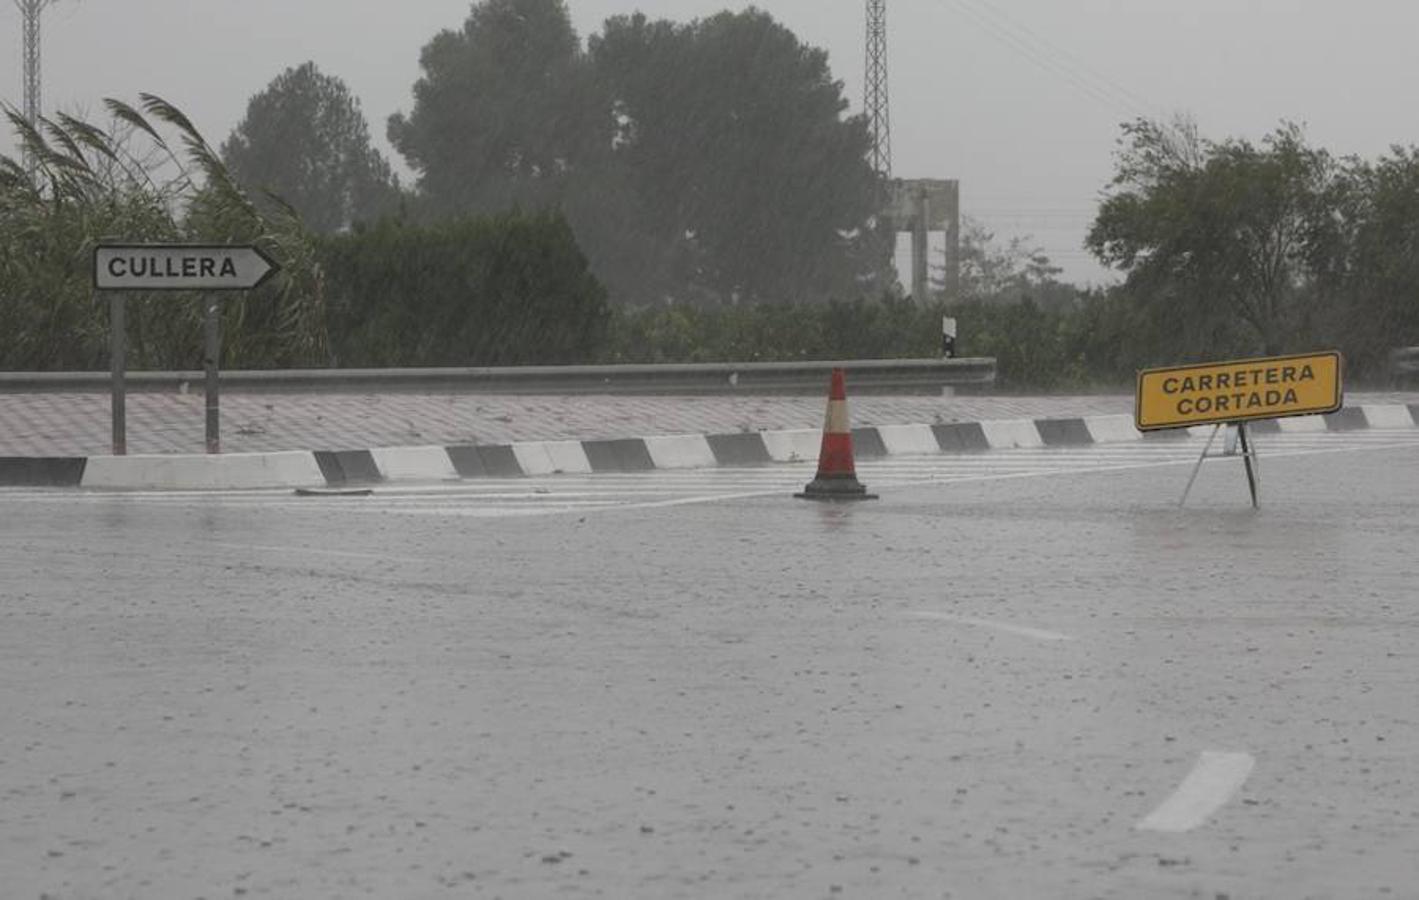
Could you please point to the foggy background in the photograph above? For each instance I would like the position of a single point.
(1019, 99)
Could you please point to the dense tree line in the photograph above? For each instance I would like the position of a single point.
(502, 290)
(675, 192)
(1236, 248)
(709, 162)
(712, 164)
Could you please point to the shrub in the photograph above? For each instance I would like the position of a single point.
(503, 291)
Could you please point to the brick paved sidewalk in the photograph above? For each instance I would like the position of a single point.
(78, 424)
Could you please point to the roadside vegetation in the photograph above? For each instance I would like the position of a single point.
(674, 192)
(149, 177)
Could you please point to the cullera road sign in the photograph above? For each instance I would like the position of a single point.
(180, 267)
(1267, 388)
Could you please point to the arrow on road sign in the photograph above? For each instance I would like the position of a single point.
(180, 267)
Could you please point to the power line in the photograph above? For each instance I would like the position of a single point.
(1048, 60)
(1064, 55)
(1010, 40)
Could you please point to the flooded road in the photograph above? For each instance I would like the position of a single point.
(1016, 674)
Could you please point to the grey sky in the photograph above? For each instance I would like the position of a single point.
(1020, 99)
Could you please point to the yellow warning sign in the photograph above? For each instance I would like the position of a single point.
(1237, 391)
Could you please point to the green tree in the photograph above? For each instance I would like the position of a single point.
(1377, 282)
(305, 139)
(704, 162)
(750, 179)
(1224, 243)
(503, 110)
(1019, 270)
(500, 291)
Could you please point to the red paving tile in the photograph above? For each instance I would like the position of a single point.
(77, 424)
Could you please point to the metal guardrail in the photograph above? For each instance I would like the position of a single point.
(880, 376)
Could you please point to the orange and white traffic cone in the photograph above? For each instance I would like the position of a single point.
(837, 476)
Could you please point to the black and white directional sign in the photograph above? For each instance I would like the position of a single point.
(180, 267)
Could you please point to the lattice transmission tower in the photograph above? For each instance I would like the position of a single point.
(879, 117)
(31, 11)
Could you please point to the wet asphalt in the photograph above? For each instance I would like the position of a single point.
(962, 690)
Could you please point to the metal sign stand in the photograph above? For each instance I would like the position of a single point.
(118, 364)
(210, 361)
(202, 268)
(1248, 455)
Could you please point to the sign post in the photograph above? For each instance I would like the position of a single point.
(1234, 393)
(1237, 435)
(118, 351)
(206, 268)
(210, 359)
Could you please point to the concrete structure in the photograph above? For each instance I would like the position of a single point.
(641, 453)
(921, 206)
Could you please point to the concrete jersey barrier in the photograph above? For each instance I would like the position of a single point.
(345, 468)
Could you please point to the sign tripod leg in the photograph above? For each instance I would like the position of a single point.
(1197, 468)
(1249, 459)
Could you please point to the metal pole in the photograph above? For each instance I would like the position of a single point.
(213, 354)
(1195, 469)
(32, 11)
(1247, 460)
(118, 363)
(876, 101)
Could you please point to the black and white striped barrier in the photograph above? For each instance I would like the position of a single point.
(342, 468)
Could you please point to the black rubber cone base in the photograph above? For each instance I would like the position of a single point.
(840, 488)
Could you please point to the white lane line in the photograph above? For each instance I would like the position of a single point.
(313, 551)
(1212, 782)
(609, 507)
(1038, 634)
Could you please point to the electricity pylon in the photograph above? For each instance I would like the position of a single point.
(879, 118)
(30, 10)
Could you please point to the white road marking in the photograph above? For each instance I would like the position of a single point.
(609, 506)
(1212, 782)
(1038, 634)
(312, 551)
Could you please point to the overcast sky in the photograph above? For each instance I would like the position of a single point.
(1019, 99)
